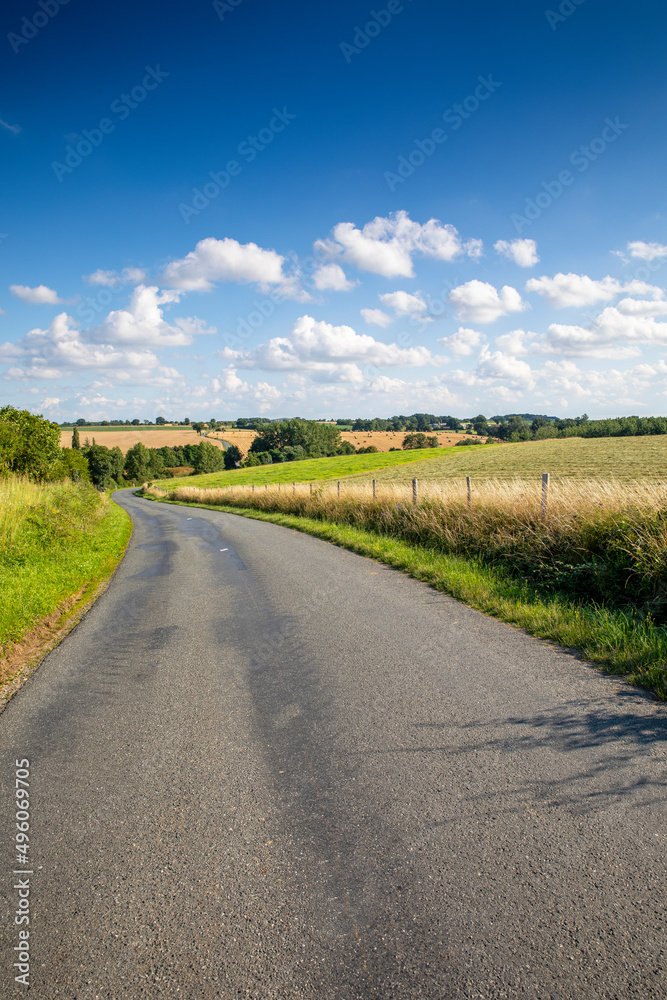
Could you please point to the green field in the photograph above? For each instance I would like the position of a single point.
(579, 458)
(627, 458)
(314, 470)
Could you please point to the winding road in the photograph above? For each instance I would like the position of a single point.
(265, 767)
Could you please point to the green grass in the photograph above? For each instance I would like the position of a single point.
(57, 540)
(317, 470)
(622, 641)
(580, 458)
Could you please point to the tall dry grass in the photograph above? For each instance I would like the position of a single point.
(603, 541)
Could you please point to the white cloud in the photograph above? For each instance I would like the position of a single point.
(464, 342)
(215, 260)
(229, 382)
(328, 352)
(403, 303)
(522, 252)
(498, 365)
(376, 317)
(41, 295)
(638, 307)
(60, 348)
(385, 246)
(647, 251)
(333, 277)
(143, 323)
(516, 342)
(112, 279)
(565, 290)
(615, 333)
(479, 302)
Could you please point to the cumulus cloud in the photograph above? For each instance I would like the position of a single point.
(403, 303)
(61, 349)
(112, 279)
(213, 261)
(479, 302)
(615, 333)
(579, 290)
(522, 252)
(327, 351)
(332, 277)
(375, 317)
(386, 245)
(143, 322)
(464, 342)
(647, 251)
(41, 295)
(229, 383)
(516, 342)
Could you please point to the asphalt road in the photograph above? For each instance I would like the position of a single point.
(266, 767)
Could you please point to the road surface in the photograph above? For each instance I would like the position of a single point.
(266, 767)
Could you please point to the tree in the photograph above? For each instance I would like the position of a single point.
(160, 420)
(208, 458)
(72, 465)
(138, 463)
(232, 457)
(76, 443)
(480, 425)
(419, 440)
(105, 466)
(29, 444)
(318, 440)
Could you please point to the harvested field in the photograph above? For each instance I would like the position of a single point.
(152, 437)
(383, 440)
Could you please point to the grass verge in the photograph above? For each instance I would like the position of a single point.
(621, 642)
(58, 543)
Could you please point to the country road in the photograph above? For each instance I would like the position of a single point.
(265, 767)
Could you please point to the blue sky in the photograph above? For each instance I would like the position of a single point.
(242, 207)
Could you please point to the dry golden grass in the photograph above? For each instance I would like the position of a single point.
(125, 439)
(384, 440)
(567, 498)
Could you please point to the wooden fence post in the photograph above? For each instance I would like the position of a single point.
(253, 487)
(469, 485)
(311, 489)
(375, 492)
(415, 491)
(545, 493)
(339, 489)
(293, 487)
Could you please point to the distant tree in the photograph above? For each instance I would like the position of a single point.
(187, 421)
(105, 466)
(136, 422)
(480, 425)
(138, 463)
(208, 458)
(317, 439)
(160, 420)
(419, 440)
(76, 443)
(232, 457)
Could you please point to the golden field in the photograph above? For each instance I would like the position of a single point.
(383, 440)
(152, 437)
